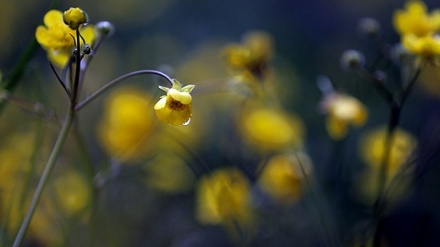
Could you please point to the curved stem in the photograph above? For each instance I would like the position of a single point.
(44, 177)
(117, 80)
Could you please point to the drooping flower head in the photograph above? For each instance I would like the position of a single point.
(175, 107)
(58, 38)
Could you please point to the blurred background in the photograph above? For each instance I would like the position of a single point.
(150, 200)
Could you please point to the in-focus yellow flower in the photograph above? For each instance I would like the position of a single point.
(414, 19)
(57, 38)
(127, 124)
(224, 197)
(372, 149)
(282, 177)
(176, 107)
(342, 111)
(252, 55)
(270, 129)
(75, 17)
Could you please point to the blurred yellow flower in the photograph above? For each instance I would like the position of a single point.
(224, 197)
(415, 20)
(425, 46)
(282, 177)
(74, 17)
(271, 129)
(15, 165)
(57, 38)
(73, 192)
(175, 108)
(127, 124)
(343, 110)
(252, 55)
(169, 173)
(418, 29)
(372, 149)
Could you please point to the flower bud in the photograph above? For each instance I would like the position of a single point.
(104, 28)
(352, 59)
(399, 54)
(369, 27)
(86, 49)
(74, 17)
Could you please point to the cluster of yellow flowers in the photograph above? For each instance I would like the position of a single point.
(419, 29)
(56, 36)
(273, 137)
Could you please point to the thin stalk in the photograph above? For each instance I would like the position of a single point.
(324, 224)
(117, 80)
(62, 136)
(75, 92)
(380, 202)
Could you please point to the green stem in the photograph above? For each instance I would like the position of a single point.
(117, 80)
(44, 178)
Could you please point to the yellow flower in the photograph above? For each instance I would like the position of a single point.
(127, 124)
(418, 29)
(57, 38)
(175, 108)
(72, 192)
(415, 19)
(169, 173)
(426, 46)
(372, 149)
(74, 17)
(252, 55)
(270, 129)
(282, 177)
(224, 197)
(342, 111)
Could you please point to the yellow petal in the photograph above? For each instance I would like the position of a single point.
(42, 34)
(183, 97)
(88, 33)
(160, 104)
(162, 112)
(59, 58)
(53, 17)
(179, 117)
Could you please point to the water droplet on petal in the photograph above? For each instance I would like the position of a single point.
(187, 122)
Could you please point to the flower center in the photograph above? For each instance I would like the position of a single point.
(176, 105)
